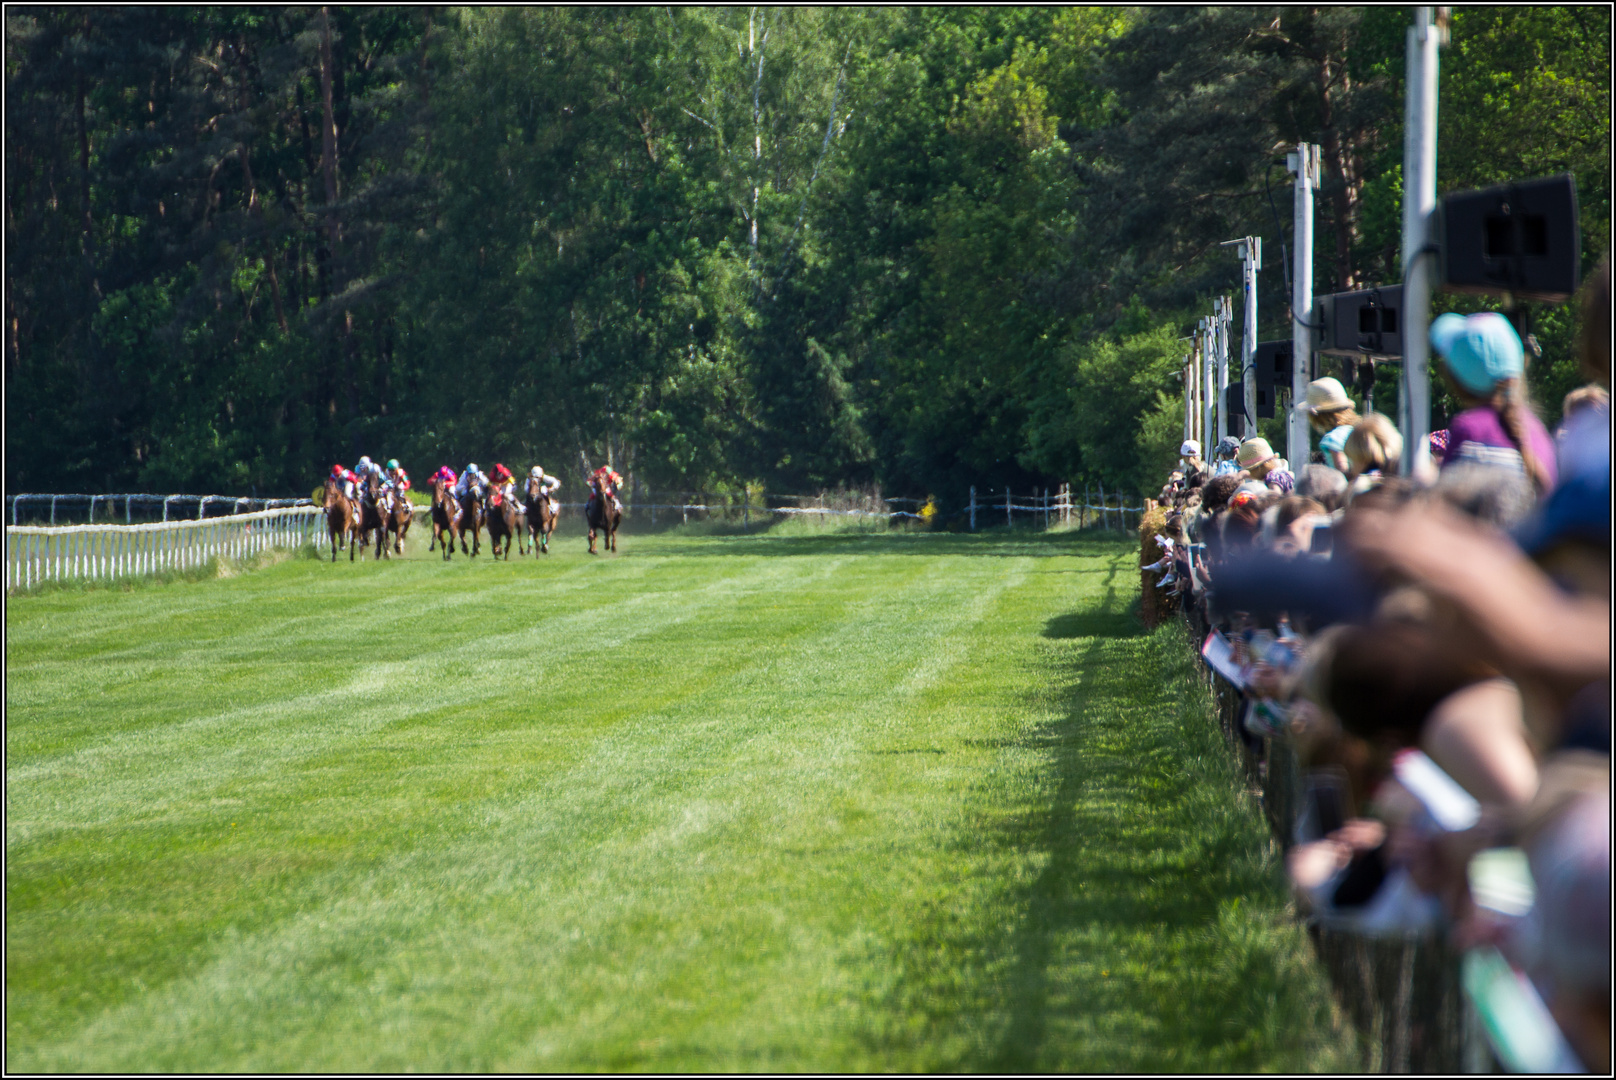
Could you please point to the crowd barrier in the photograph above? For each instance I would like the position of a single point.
(37, 554)
(1402, 993)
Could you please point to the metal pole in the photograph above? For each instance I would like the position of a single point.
(1225, 321)
(973, 508)
(1207, 382)
(1304, 163)
(1419, 201)
(1220, 359)
(1251, 252)
(1007, 521)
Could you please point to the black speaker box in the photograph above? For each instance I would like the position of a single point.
(1521, 238)
(1366, 322)
(1234, 400)
(1274, 364)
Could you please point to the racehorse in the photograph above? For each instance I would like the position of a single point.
(339, 517)
(368, 518)
(604, 516)
(541, 516)
(501, 514)
(471, 517)
(400, 519)
(443, 516)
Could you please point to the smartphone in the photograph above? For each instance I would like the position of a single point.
(1323, 539)
(1364, 877)
(1327, 800)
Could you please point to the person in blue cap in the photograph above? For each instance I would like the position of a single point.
(1227, 448)
(1484, 366)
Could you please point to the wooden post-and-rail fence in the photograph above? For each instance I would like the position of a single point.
(1058, 506)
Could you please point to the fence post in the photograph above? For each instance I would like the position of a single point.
(1046, 508)
(1007, 522)
(128, 513)
(1105, 509)
(973, 507)
(53, 511)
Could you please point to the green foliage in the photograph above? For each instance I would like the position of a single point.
(806, 247)
(1112, 410)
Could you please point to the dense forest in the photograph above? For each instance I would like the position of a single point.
(802, 247)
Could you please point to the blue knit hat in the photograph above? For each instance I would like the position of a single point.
(1480, 350)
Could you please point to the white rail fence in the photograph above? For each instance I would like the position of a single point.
(172, 506)
(37, 554)
(1057, 507)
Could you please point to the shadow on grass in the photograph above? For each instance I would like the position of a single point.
(1154, 936)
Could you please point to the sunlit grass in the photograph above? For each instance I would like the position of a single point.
(802, 800)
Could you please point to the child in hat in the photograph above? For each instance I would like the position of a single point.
(1484, 365)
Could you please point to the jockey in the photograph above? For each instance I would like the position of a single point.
(504, 482)
(344, 479)
(396, 476)
(471, 479)
(607, 479)
(445, 476)
(365, 470)
(547, 484)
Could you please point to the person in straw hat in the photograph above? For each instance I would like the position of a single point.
(1330, 412)
(1257, 458)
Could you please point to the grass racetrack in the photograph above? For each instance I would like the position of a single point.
(803, 802)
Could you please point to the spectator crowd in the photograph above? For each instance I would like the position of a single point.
(1434, 645)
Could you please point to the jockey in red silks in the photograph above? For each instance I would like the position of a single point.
(606, 481)
(344, 479)
(504, 482)
(396, 476)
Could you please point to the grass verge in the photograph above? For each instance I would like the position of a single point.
(823, 802)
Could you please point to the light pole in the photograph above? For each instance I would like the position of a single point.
(1250, 249)
(1304, 163)
(1427, 34)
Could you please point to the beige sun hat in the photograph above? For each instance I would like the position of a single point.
(1254, 452)
(1325, 395)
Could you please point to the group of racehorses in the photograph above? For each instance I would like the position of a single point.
(386, 513)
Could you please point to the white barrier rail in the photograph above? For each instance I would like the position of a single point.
(237, 504)
(36, 554)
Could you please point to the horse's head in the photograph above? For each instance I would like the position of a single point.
(333, 491)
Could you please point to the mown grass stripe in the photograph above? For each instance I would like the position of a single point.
(832, 818)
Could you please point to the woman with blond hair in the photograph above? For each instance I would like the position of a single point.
(1330, 413)
(1373, 446)
(1484, 365)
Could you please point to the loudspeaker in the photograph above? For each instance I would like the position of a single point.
(1521, 238)
(1272, 375)
(1234, 400)
(1366, 322)
(1274, 364)
(1265, 402)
